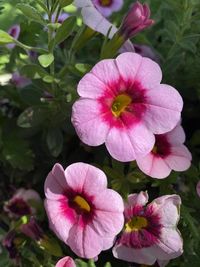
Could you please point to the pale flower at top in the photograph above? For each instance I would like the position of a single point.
(168, 154)
(82, 212)
(107, 7)
(150, 233)
(65, 262)
(123, 104)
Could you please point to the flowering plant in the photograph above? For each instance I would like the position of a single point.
(99, 135)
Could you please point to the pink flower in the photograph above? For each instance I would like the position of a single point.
(14, 31)
(107, 7)
(123, 104)
(136, 20)
(198, 188)
(20, 203)
(168, 154)
(20, 81)
(150, 231)
(82, 212)
(65, 262)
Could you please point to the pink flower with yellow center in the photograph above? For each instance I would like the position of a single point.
(65, 262)
(123, 104)
(150, 233)
(168, 154)
(82, 212)
(107, 7)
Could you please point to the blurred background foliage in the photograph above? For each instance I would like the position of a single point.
(35, 126)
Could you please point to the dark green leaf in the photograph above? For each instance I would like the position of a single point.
(64, 3)
(31, 13)
(55, 141)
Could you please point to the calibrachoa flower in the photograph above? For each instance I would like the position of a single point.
(20, 203)
(168, 154)
(20, 81)
(136, 20)
(107, 7)
(150, 231)
(198, 188)
(81, 210)
(14, 31)
(65, 262)
(123, 104)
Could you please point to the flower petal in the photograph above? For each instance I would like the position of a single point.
(140, 199)
(176, 136)
(179, 159)
(88, 122)
(153, 166)
(65, 262)
(163, 109)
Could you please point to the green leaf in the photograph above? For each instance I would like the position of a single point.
(31, 95)
(5, 38)
(55, 141)
(65, 30)
(46, 60)
(80, 263)
(33, 71)
(31, 13)
(31, 117)
(51, 246)
(107, 264)
(64, 3)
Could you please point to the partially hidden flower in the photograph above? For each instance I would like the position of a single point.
(60, 19)
(65, 262)
(168, 154)
(123, 104)
(146, 51)
(19, 81)
(150, 233)
(82, 212)
(107, 7)
(21, 203)
(14, 31)
(9, 243)
(32, 229)
(137, 19)
(198, 188)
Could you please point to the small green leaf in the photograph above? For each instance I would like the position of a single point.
(107, 264)
(46, 60)
(5, 38)
(34, 71)
(31, 117)
(51, 246)
(64, 3)
(55, 141)
(31, 13)
(65, 30)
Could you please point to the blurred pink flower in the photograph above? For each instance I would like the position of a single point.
(19, 81)
(150, 231)
(123, 104)
(198, 188)
(107, 7)
(168, 154)
(65, 262)
(14, 31)
(136, 20)
(82, 212)
(20, 203)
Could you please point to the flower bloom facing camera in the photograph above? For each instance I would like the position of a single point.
(20, 203)
(150, 233)
(82, 212)
(107, 7)
(123, 104)
(137, 19)
(168, 154)
(14, 31)
(65, 262)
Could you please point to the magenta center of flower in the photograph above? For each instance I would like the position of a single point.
(161, 147)
(19, 207)
(120, 104)
(105, 3)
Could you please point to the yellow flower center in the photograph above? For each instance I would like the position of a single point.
(155, 149)
(120, 104)
(136, 224)
(105, 2)
(82, 203)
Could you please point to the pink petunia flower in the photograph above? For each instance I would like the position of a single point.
(82, 212)
(198, 188)
(123, 104)
(14, 31)
(150, 231)
(137, 19)
(20, 203)
(168, 154)
(65, 262)
(107, 7)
